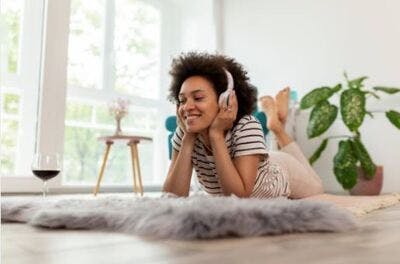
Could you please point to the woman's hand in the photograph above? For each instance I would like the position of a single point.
(181, 124)
(225, 117)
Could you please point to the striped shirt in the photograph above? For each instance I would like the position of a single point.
(246, 138)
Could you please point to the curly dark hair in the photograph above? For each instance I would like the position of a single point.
(211, 67)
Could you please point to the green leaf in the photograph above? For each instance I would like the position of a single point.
(352, 108)
(363, 156)
(318, 95)
(389, 90)
(318, 152)
(344, 165)
(321, 118)
(337, 88)
(356, 83)
(373, 94)
(394, 118)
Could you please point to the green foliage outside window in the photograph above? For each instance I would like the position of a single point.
(103, 116)
(136, 45)
(78, 112)
(9, 128)
(12, 15)
(11, 103)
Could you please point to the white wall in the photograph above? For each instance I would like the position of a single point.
(309, 43)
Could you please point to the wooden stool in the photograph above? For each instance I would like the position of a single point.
(133, 141)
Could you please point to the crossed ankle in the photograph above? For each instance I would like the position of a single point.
(278, 131)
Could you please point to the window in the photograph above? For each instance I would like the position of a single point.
(20, 60)
(114, 51)
(54, 99)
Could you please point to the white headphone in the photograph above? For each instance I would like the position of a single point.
(224, 97)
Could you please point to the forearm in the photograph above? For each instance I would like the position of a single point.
(180, 172)
(228, 175)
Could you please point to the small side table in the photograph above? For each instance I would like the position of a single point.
(133, 141)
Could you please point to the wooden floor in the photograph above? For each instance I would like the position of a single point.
(376, 241)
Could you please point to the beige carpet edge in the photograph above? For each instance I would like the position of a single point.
(360, 205)
(380, 203)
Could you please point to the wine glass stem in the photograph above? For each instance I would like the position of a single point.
(44, 188)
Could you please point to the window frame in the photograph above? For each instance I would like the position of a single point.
(52, 61)
(106, 90)
(53, 84)
(26, 82)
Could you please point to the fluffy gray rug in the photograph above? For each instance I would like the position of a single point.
(196, 217)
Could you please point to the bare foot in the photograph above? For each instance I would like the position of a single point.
(282, 104)
(270, 109)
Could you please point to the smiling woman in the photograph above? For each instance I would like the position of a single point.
(197, 104)
(223, 142)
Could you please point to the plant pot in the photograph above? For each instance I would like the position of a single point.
(368, 187)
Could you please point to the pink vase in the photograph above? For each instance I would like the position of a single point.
(368, 187)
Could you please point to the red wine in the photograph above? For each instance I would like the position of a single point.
(46, 174)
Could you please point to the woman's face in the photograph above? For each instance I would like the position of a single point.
(198, 104)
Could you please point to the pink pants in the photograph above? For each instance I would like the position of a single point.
(302, 179)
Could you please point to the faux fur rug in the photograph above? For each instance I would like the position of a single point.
(198, 216)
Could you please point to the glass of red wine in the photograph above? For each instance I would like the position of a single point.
(45, 167)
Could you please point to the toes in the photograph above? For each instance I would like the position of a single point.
(267, 101)
(284, 92)
(286, 89)
(282, 100)
(266, 97)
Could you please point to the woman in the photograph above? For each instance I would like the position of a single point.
(222, 141)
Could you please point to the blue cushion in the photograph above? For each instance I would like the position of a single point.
(263, 120)
(170, 123)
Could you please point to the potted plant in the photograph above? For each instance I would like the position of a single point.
(352, 158)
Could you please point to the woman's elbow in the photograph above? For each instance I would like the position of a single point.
(173, 192)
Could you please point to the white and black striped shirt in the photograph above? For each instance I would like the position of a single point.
(246, 138)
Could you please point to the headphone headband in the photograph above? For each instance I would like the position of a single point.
(229, 79)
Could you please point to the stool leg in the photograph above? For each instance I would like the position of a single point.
(135, 187)
(138, 168)
(103, 165)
